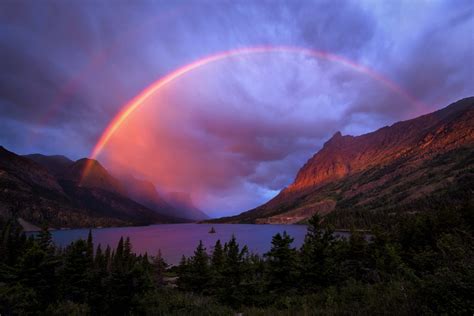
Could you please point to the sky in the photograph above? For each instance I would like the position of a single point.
(234, 132)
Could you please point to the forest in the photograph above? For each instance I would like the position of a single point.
(420, 263)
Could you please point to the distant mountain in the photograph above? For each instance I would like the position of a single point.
(144, 192)
(183, 203)
(56, 164)
(411, 166)
(33, 193)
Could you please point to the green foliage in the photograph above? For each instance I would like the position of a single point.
(421, 264)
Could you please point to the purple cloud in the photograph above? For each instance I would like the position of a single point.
(235, 132)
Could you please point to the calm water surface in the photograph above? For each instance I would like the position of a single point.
(176, 240)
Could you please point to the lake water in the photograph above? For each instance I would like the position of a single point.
(176, 240)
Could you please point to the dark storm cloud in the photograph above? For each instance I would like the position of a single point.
(68, 66)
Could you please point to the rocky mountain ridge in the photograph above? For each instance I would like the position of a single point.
(399, 168)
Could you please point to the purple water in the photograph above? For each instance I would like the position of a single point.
(176, 240)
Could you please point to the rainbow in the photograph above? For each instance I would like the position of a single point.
(137, 101)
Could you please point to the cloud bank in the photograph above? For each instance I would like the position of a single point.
(235, 132)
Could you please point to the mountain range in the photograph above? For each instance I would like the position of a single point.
(352, 181)
(39, 189)
(410, 166)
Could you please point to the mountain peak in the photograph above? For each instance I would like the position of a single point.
(97, 176)
(336, 135)
(337, 139)
(413, 160)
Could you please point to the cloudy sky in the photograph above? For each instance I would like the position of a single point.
(234, 132)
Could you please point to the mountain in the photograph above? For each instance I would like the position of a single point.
(56, 164)
(411, 166)
(183, 203)
(144, 192)
(89, 173)
(34, 194)
(97, 177)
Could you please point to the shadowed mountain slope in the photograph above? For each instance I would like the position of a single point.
(31, 192)
(182, 202)
(55, 164)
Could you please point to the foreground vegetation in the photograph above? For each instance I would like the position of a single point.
(422, 264)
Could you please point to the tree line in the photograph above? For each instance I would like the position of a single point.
(421, 264)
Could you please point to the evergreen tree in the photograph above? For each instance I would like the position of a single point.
(45, 240)
(108, 258)
(118, 256)
(216, 268)
(281, 263)
(183, 274)
(74, 274)
(127, 253)
(233, 272)
(159, 266)
(317, 260)
(217, 259)
(199, 272)
(90, 247)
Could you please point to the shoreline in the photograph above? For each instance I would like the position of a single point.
(31, 228)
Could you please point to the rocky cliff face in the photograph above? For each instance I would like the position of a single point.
(393, 168)
(418, 138)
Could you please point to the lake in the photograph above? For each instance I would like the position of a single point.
(176, 240)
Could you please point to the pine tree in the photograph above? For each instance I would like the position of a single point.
(233, 272)
(90, 247)
(217, 259)
(317, 266)
(199, 269)
(108, 258)
(45, 240)
(281, 263)
(183, 274)
(233, 261)
(75, 272)
(159, 268)
(118, 256)
(127, 253)
(217, 265)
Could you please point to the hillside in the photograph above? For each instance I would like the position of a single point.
(410, 166)
(33, 193)
(55, 164)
